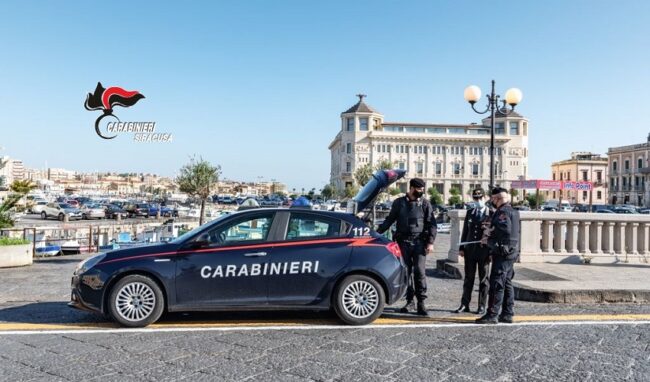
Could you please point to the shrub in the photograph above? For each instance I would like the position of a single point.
(13, 241)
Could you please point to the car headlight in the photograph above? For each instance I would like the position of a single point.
(90, 262)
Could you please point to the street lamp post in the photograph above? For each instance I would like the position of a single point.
(513, 97)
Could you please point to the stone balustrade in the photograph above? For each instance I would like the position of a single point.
(572, 237)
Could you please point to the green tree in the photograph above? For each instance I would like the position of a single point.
(350, 191)
(434, 196)
(20, 188)
(197, 179)
(328, 191)
(455, 197)
(394, 191)
(384, 164)
(532, 200)
(363, 174)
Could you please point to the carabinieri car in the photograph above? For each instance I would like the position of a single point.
(291, 258)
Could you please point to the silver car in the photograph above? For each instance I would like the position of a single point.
(93, 211)
(59, 210)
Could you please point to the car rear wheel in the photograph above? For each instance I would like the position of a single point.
(43, 215)
(359, 300)
(136, 301)
(61, 217)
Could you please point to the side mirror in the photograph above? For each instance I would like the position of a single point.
(198, 244)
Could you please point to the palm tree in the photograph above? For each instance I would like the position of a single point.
(197, 179)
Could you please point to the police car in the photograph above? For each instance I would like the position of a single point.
(291, 258)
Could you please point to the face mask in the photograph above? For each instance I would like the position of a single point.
(481, 203)
(418, 194)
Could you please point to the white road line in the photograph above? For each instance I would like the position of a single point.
(315, 327)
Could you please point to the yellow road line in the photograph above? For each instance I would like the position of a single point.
(394, 320)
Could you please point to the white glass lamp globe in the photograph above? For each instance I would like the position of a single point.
(472, 93)
(513, 96)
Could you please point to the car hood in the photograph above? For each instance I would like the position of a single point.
(146, 249)
(71, 210)
(379, 181)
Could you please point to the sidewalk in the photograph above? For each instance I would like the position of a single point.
(574, 283)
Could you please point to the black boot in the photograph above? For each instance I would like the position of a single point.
(422, 310)
(487, 319)
(410, 305)
(505, 319)
(462, 308)
(481, 310)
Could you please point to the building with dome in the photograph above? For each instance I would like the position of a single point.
(446, 156)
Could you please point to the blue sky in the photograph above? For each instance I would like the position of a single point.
(258, 86)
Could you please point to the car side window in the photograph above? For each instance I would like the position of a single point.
(312, 226)
(252, 229)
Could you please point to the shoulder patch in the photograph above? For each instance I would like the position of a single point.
(502, 217)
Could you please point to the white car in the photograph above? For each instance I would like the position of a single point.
(38, 206)
(93, 211)
(59, 210)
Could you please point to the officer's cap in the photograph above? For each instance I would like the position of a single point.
(498, 190)
(417, 183)
(478, 193)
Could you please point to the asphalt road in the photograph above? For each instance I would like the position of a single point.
(42, 339)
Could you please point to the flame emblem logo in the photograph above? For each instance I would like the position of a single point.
(106, 99)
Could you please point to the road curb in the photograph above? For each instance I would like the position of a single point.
(526, 293)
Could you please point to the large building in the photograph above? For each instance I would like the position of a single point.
(629, 172)
(445, 155)
(582, 167)
(10, 170)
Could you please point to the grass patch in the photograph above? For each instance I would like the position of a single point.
(13, 241)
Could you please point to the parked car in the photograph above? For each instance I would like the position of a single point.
(38, 206)
(138, 209)
(73, 202)
(92, 211)
(113, 210)
(621, 210)
(604, 211)
(59, 210)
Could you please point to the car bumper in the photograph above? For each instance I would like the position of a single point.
(86, 293)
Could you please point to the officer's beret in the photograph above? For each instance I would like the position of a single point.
(417, 183)
(497, 190)
(478, 193)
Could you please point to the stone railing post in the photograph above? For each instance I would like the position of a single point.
(457, 217)
(547, 236)
(619, 238)
(643, 239)
(559, 234)
(597, 238)
(572, 237)
(608, 245)
(584, 241)
(632, 239)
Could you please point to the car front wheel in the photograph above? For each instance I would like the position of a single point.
(43, 215)
(136, 301)
(359, 300)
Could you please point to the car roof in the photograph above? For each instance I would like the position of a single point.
(334, 214)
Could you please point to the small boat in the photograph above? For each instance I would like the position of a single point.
(44, 249)
(70, 247)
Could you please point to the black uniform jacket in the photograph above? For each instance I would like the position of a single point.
(473, 229)
(400, 212)
(504, 240)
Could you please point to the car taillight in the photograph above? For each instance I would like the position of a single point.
(393, 247)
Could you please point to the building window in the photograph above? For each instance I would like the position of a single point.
(584, 176)
(553, 176)
(614, 166)
(553, 194)
(475, 169)
(350, 126)
(438, 168)
(363, 124)
(514, 128)
(348, 167)
(348, 148)
(499, 128)
(584, 195)
(599, 176)
(456, 168)
(568, 175)
(599, 195)
(627, 164)
(402, 166)
(419, 168)
(639, 163)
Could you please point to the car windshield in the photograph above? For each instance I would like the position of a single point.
(191, 233)
(65, 205)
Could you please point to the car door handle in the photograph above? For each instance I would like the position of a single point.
(255, 254)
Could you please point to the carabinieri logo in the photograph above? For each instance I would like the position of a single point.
(107, 99)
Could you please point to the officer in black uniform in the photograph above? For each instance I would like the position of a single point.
(475, 255)
(416, 232)
(502, 239)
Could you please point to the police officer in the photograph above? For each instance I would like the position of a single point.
(416, 232)
(502, 240)
(475, 255)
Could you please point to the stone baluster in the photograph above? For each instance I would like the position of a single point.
(558, 237)
(609, 238)
(619, 238)
(547, 235)
(572, 237)
(632, 238)
(584, 241)
(597, 238)
(643, 239)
